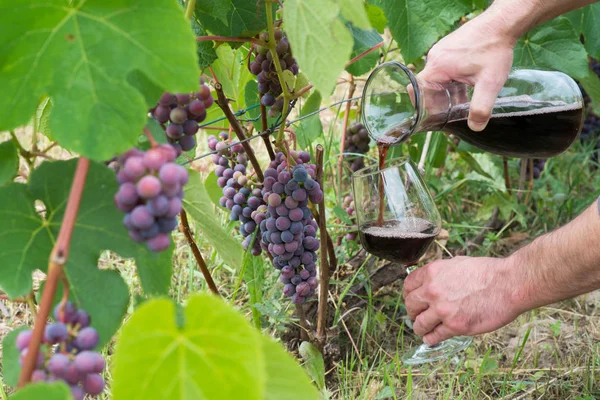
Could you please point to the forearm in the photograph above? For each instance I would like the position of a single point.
(559, 265)
(514, 18)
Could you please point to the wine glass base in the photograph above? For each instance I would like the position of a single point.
(424, 353)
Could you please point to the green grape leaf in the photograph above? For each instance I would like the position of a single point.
(232, 72)
(205, 48)
(42, 118)
(289, 79)
(216, 8)
(10, 357)
(82, 40)
(311, 127)
(253, 98)
(157, 133)
(27, 240)
(302, 82)
(342, 215)
(285, 378)
(215, 354)
(254, 275)
(541, 46)
(314, 363)
(591, 85)
(377, 17)
(354, 11)
(363, 41)
(233, 18)
(212, 188)
(155, 270)
(417, 24)
(9, 161)
(43, 391)
(320, 41)
(198, 205)
(586, 21)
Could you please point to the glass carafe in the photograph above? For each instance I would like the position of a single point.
(538, 114)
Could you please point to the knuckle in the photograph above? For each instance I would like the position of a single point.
(457, 326)
(431, 291)
(443, 311)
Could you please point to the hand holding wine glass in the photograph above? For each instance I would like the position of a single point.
(398, 221)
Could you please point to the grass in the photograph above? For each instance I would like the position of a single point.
(548, 353)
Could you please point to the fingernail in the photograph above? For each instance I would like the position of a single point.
(476, 126)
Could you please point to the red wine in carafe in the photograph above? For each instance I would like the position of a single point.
(404, 242)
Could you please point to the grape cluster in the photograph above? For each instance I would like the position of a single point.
(150, 193)
(69, 356)
(288, 228)
(180, 114)
(348, 205)
(264, 68)
(231, 164)
(357, 141)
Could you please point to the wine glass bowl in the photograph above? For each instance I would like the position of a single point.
(398, 221)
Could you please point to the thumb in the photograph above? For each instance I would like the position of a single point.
(482, 103)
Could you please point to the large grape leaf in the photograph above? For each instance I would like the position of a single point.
(253, 98)
(553, 45)
(80, 54)
(591, 85)
(355, 12)
(363, 41)
(285, 378)
(44, 391)
(417, 24)
(26, 241)
(233, 18)
(320, 41)
(198, 205)
(215, 355)
(586, 22)
(377, 17)
(205, 48)
(232, 72)
(9, 161)
(311, 127)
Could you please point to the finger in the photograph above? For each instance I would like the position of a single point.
(415, 304)
(482, 103)
(439, 334)
(413, 281)
(426, 322)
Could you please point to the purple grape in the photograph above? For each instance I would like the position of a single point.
(299, 194)
(296, 215)
(166, 99)
(58, 365)
(197, 107)
(178, 115)
(300, 174)
(82, 318)
(23, 339)
(282, 223)
(159, 242)
(190, 127)
(55, 332)
(39, 361)
(93, 384)
(287, 236)
(166, 225)
(267, 100)
(158, 206)
(187, 143)
(39, 375)
(134, 168)
(141, 218)
(87, 339)
(148, 187)
(174, 131)
(77, 392)
(154, 159)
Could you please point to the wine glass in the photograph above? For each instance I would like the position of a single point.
(398, 220)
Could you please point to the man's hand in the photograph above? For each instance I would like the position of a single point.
(460, 296)
(479, 54)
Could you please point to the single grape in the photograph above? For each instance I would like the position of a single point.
(93, 384)
(87, 362)
(158, 206)
(87, 339)
(58, 365)
(187, 143)
(55, 333)
(82, 318)
(300, 174)
(148, 187)
(178, 115)
(39, 375)
(141, 217)
(174, 131)
(23, 339)
(134, 168)
(190, 127)
(77, 392)
(267, 100)
(159, 242)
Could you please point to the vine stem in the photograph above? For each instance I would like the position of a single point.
(58, 258)
(303, 322)
(351, 90)
(324, 270)
(189, 9)
(185, 228)
(230, 39)
(364, 53)
(506, 176)
(223, 103)
(305, 89)
(522, 176)
(265, 125)
(150, 137)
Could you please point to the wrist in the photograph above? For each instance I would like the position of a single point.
(509, 19)
(521, 297)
